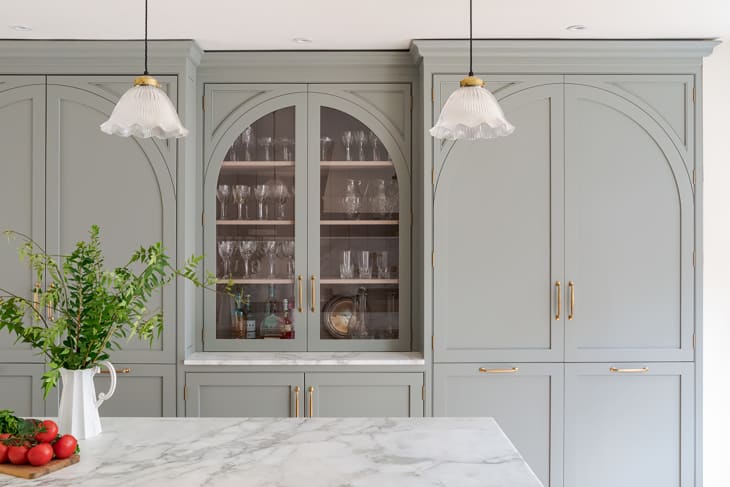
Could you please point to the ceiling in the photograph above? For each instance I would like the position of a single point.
(363, 24)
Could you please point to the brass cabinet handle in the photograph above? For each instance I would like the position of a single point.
(311, 401)
(125, 370)
(296, 401)
(49, 305)
(499, 371)
(37, 298)
(301, 292)
(571, 285)
(629, 371)
(560, 300)
(314, 293)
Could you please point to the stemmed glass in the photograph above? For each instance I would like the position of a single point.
(280, 193)
(375, 144)
(241, 194)
(286, 250)
(261, 192)
(247, 140)
(223, 194)
(285, 147)
(391, 195)
(265, 146)
(347, 138)
(247, 248)
(225, 250)
(269, 248)
(360, 137)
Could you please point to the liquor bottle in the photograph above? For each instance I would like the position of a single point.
(250, 319)
(271, 325)
(287, 330)
(238, 318)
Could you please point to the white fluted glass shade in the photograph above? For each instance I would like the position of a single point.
(145, 111)
(471, 113)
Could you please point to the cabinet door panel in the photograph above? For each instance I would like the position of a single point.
(21, 389)
(498, 238)
(146, 391)
(22, 188)
(243, 394)
(631, 429)
(527, 404)
(124, 185)
(629, 233)
(364, 394)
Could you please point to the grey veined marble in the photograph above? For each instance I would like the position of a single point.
(312, 452)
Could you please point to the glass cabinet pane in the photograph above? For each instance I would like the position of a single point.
(359, 233)
(255, 237)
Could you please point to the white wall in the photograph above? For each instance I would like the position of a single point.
(716, 121)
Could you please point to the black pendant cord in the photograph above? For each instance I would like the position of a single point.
(471, 70)
(145, 38)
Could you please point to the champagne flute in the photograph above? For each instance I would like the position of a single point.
(347, 138)
(269, 248)
(360, 138)
(247, 139)
(223, 194)
(375, 145)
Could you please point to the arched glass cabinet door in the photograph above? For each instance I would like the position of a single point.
(257, 200)
(361, 222)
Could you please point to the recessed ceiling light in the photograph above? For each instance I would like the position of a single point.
(21, 28)
(576, 27)
(302, 40)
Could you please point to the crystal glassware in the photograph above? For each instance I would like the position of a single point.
(374, 145)
(347, 268)
(280, 194)
(247, 248)
(347, 138)
(261, 192)
(381, 264)
(285, 148)
(391, 195)
(241, 194)
(223, 194)
(352, 197)
(286, 250)
(248, 138)
(265, 146)
(364, 268)
(269, 247)
(225, 250)
(357, 328)
(360, 138)
(377, 199)
(326, 145)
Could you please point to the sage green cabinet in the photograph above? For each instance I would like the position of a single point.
(145, 391)
(21, 389)
(526, 399)
(629, 424)
(364, 394)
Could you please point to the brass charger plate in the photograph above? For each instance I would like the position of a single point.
(337, 314)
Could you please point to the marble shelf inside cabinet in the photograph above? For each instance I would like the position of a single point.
(305, 358)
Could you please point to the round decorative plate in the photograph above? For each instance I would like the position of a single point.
(337, 314)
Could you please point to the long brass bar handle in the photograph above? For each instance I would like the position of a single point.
(49, 304)
(301, 292)
(499, 371)
(37, 298)
(560, 300)
(311, 401)
(571, 285)
(629, 371)
(296, 401)
(125, 370)
(314, 293)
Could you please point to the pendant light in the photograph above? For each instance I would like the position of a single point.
(471, 112)
(145, 110)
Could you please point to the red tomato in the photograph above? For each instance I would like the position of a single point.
(40, 454)
(18, 455)
(3, 453)
(65, 446)
(50, 432)
(4, 436)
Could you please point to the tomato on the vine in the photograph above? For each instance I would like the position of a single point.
(40, 454)
(65, 446)
(18, 455)
(3, 453)
(49, 433)
(4, 436)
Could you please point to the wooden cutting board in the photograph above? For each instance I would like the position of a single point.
(31, 472)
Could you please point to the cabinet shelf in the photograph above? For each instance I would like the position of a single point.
(356, 164)
(254, 223)
(256, 164)
(358, 222)
(346, 282)
(257, 281)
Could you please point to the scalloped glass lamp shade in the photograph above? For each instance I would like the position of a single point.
(470, 113)
(145, 111)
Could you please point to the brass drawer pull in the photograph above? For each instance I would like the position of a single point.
(498, 371)
(560, 300)
(296, 401)
(629, 371)
(301, 292)
(571, 285)
(125, 370)
(311, 401)
(314, 293)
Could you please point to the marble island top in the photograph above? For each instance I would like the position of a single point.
(317, 452)
(305, 358)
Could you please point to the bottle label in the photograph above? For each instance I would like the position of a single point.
(251, 329)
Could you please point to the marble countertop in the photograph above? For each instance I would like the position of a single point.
(305, 358)
(273, 452)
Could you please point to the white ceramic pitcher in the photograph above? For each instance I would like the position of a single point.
(78, 413)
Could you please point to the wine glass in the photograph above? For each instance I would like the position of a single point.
(285, 147)
(223, 194)
(286, 250)
(326, 145)
(265, 148)
(375, 145)
(261, 192)
(225, 250)
(241, 194)
(248, 137)
(360, 138)
(280, 194)
(347, 138)
(269, 248)
(247, 248)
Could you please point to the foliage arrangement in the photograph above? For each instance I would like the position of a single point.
(85, 311)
